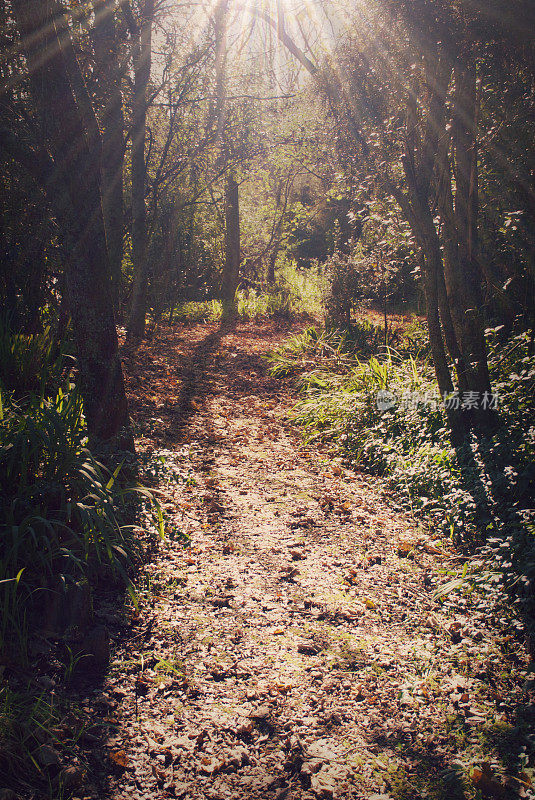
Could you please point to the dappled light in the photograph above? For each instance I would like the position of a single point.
(267, 400)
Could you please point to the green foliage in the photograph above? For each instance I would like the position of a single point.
(279, 303)
(340, 347)
(22, 718)
(30, 363)
(306, 284)
(203, 311)
(478, 493)
(63, 513)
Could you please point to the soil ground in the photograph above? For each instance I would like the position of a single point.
(294, 648)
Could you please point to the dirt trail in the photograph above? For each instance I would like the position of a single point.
(294, 651)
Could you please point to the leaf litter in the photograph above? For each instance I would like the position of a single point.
(295, 649)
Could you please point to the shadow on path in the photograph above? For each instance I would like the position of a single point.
(194, 376)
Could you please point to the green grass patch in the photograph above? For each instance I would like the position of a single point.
(479, 495)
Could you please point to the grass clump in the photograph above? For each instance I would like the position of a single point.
(38, 741)
(382, 414)
(67, 523)
(296, 294)
(65, 517)
(279, 303)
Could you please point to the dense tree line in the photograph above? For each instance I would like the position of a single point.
(150, 156)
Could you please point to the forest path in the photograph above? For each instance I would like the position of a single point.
(294, 650)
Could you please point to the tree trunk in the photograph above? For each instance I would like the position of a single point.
(453, 279)
(232, 247)
(432, 263)
(142, 64)
(72, 138)
(271, 265)
(108, 83)
(449, 330)
(471, 334)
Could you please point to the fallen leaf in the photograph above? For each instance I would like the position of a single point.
(487, 785)
(119, 758)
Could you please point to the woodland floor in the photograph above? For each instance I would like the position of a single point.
(294, 650)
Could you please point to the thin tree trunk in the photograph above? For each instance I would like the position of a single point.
(74, 193)
(271, 265)
(420, 218)
(232, 247)
(432, 262)
(466, 105)
(108, 82)
(453, 279)
(449, 330)
(142, 65)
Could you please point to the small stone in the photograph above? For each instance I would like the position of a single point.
(244, 729)
(308, 648)
(236, 758)
(48, 757)
(260, 713)
(71, 778)
(297, 555)
(221, 602)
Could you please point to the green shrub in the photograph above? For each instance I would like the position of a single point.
(198, 311)
(277, 303)
(479, 494)
(64, 514)
(30, 363)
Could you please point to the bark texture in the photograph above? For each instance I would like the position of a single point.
(71, 135)
(142, 65)
(108, 88)
(232, 247)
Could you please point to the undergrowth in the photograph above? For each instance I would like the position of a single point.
(279, 303)
(67, 523)
(65, 516)
(382, 414)
(296, 294)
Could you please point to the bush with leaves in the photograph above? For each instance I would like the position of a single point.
(383, 415)
(64, 514)
(344, 289)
